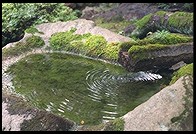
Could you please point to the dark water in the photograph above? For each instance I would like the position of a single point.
(81, 89)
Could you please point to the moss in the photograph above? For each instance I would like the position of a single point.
(95, 45)
(185, 70)
(115, 125)
(111, 51)
(126, 45)
(33, 30)
(86, 44)
(159, 37)
(35, 42)
(178, 22)
(177, 118)
(63, 40)
(181, 19)
(22, 47)
(165, 37)
(144, 21)
(142, 52)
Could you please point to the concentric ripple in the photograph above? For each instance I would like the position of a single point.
(103, 85)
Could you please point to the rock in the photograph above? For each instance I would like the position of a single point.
(128, 11)
(88, 12)
(83, 26)
(157, 113)
(163, 58)
(177, 22)
(19, 116)
(178, 65)
(80, 6)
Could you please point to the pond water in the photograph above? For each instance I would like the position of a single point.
(78, 88)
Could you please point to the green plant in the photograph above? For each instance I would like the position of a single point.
(87, 44)
(95, 45)
(165, 37)
(33, 30)
(111, 51)
(65, 40)
(126, 45)
(185, 70)
(16, 17)
(35, 42)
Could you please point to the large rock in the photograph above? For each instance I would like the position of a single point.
(18, 116)
(128, 11)
(163, 58)
(177, 22)
(169, 109)
(83, 26)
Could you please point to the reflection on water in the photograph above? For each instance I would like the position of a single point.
(83, 89)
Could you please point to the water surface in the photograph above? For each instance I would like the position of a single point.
(78, 88)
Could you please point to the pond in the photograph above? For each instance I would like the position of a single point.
(78, 88)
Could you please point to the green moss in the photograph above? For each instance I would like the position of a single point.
(86, 44)
(95, 45)
(111, 51)
(165, 37)
(115, 125)
(159, 37)
(181, 19)
(63, 40)
(185, 70)
(177, 22)
(144, 21)
(126, 45)
(22, 47)
(142, 52)
(177, 118)
(35, 42)
(33, 30)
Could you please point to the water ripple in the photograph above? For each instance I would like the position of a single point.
(103, 86)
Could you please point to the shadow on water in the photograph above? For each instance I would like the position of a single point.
(82, 89)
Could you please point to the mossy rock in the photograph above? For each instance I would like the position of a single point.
(95, 45)
(111, 51)
(181, 22)
(178, 22)
(86, 44)
(185, 70)
(22, 47)
(159, 37)
(142, 52)
(64, 40)
(33, 30)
